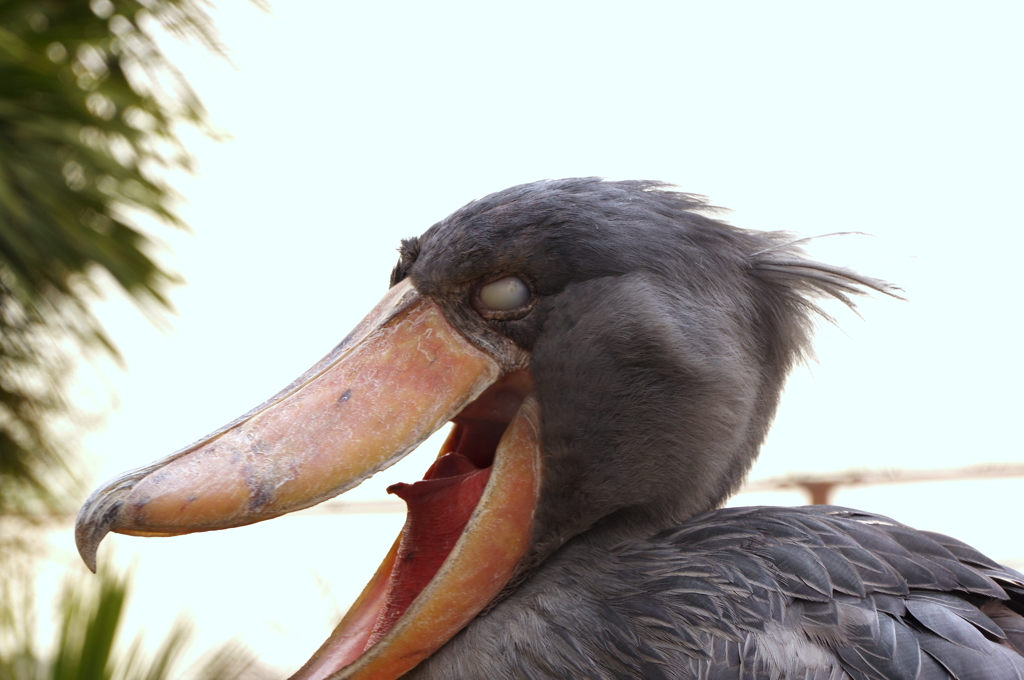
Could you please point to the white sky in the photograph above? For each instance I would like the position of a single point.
(356, 124)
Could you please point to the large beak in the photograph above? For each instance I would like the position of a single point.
(402, 374)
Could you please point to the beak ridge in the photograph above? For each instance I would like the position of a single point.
(369, 402)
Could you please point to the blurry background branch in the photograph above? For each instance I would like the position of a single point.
(89, 616)
(820, 487)
(89, 108)
(89, 113)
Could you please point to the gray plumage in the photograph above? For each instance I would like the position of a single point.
(660, 339)
(816, 593)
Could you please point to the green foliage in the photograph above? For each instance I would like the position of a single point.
(89, 108)
(88, 112)
(90, 614)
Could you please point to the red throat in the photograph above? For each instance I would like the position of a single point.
(437, 577)
(439, 507)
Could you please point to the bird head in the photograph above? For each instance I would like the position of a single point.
(611, 357)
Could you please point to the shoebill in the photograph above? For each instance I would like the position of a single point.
(611, 357)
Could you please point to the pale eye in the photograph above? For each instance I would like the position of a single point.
(504, 294)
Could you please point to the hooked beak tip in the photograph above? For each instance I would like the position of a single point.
(87, 539)
(99, 516)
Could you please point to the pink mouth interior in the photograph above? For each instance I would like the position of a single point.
(441, 504)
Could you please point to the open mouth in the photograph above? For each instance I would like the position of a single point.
(441, 504)
(467, 528)
(400, 376)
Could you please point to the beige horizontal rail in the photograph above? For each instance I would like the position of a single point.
(818, 487)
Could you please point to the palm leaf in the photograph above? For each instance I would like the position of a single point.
(90, 613)
(88, 112)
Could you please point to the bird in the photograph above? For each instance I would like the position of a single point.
(611, 355)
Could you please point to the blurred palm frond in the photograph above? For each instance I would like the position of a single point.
(90, 613)
(89, 113)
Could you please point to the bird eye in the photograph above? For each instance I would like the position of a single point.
(504, 294)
